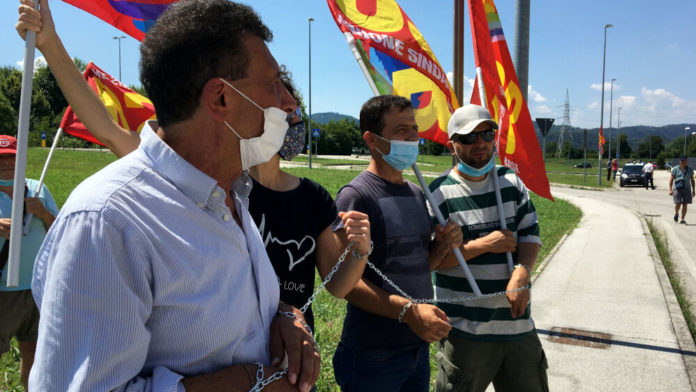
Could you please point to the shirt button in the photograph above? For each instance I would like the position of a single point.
(216, 194)
(200, 204)
(226, 217)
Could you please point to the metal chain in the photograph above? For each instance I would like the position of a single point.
(442, 300)
(261, 383)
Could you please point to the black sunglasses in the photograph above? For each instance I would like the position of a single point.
(470, 138)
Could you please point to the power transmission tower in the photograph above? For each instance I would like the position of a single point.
(565, 126)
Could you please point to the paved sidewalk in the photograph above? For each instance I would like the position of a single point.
(603, 280)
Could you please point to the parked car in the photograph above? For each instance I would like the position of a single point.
(583, 165)
(632, 174)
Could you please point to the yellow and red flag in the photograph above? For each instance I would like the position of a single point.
(601, 142)
(517, 143)
(128, 108)
(399, 60)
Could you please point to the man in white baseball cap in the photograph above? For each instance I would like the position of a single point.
(492, 340)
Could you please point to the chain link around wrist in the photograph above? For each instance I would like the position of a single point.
(404, 310)
(357, 255)
(529, 270)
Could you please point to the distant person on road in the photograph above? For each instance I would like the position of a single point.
(682, 187)
(648, 170)
(492, 339)
(608, 169)
(614, 168)
(19, 316)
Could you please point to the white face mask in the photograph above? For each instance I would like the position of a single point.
(261, 149)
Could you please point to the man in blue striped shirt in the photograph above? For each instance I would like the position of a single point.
(492, 339)
(154, 276)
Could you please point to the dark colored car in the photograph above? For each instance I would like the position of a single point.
(583, 165)
(632, 174)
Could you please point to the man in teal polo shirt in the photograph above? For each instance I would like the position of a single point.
(20, 318)
(681, 187)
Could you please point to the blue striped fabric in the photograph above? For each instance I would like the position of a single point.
(145, 278)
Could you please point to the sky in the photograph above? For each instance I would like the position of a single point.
(651, 52)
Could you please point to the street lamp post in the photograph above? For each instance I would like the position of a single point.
(601, 117)
(611, 104)
(309, 125)
(119, 56)
(685, 129)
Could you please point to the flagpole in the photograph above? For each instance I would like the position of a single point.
(21, 159)
(457, 252)
(494, 173)
(43, 176)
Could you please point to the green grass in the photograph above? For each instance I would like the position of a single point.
(70, 167)
(9, 370)
(663, 251)
(331, 161)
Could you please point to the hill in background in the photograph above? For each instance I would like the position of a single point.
(327, 117)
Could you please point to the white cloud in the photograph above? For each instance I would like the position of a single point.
(38, 63)
(534, 95)
(607, 86)
(654, 107)
(542, 109)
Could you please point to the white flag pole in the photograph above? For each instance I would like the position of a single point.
(426, 190)
(494, 173)
(21, 159)
(43, 176)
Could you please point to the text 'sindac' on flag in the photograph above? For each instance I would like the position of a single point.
(133, 17)
(128, 108)
(517, 142)
(399, 60)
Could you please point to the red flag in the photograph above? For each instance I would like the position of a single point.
(601, 142)
(133, 17)
(385, 34)
(517, 142)
(128, 108)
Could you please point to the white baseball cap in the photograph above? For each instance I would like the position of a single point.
(467, 118)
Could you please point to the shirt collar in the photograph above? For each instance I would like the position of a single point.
(192, 182)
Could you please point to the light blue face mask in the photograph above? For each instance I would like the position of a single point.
(473, 172)
(402, 154)
(7, 182)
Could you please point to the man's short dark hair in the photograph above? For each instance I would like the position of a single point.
(372, 111)
(192, 42)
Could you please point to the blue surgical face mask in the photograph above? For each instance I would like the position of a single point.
(472, 171)
(402, 154)
(7, 182)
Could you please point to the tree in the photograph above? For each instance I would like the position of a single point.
(651, 147)
(624, 147)
(8, 116)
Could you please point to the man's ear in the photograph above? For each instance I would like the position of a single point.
(216, 100)
(450, 146)
(369, 139)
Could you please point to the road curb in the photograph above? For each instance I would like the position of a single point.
(681, 329)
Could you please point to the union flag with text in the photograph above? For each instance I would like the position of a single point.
(517, 142)
(128, 108)
(399, 60)
(133, 17)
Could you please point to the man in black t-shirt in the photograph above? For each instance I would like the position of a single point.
(384, 344)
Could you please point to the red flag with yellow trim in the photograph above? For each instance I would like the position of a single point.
(601, 142)
(399, 60)
(128, 108)
(517, 143)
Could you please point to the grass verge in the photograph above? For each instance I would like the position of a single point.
(663, 250)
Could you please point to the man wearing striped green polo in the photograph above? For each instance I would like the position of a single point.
(492, 339)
